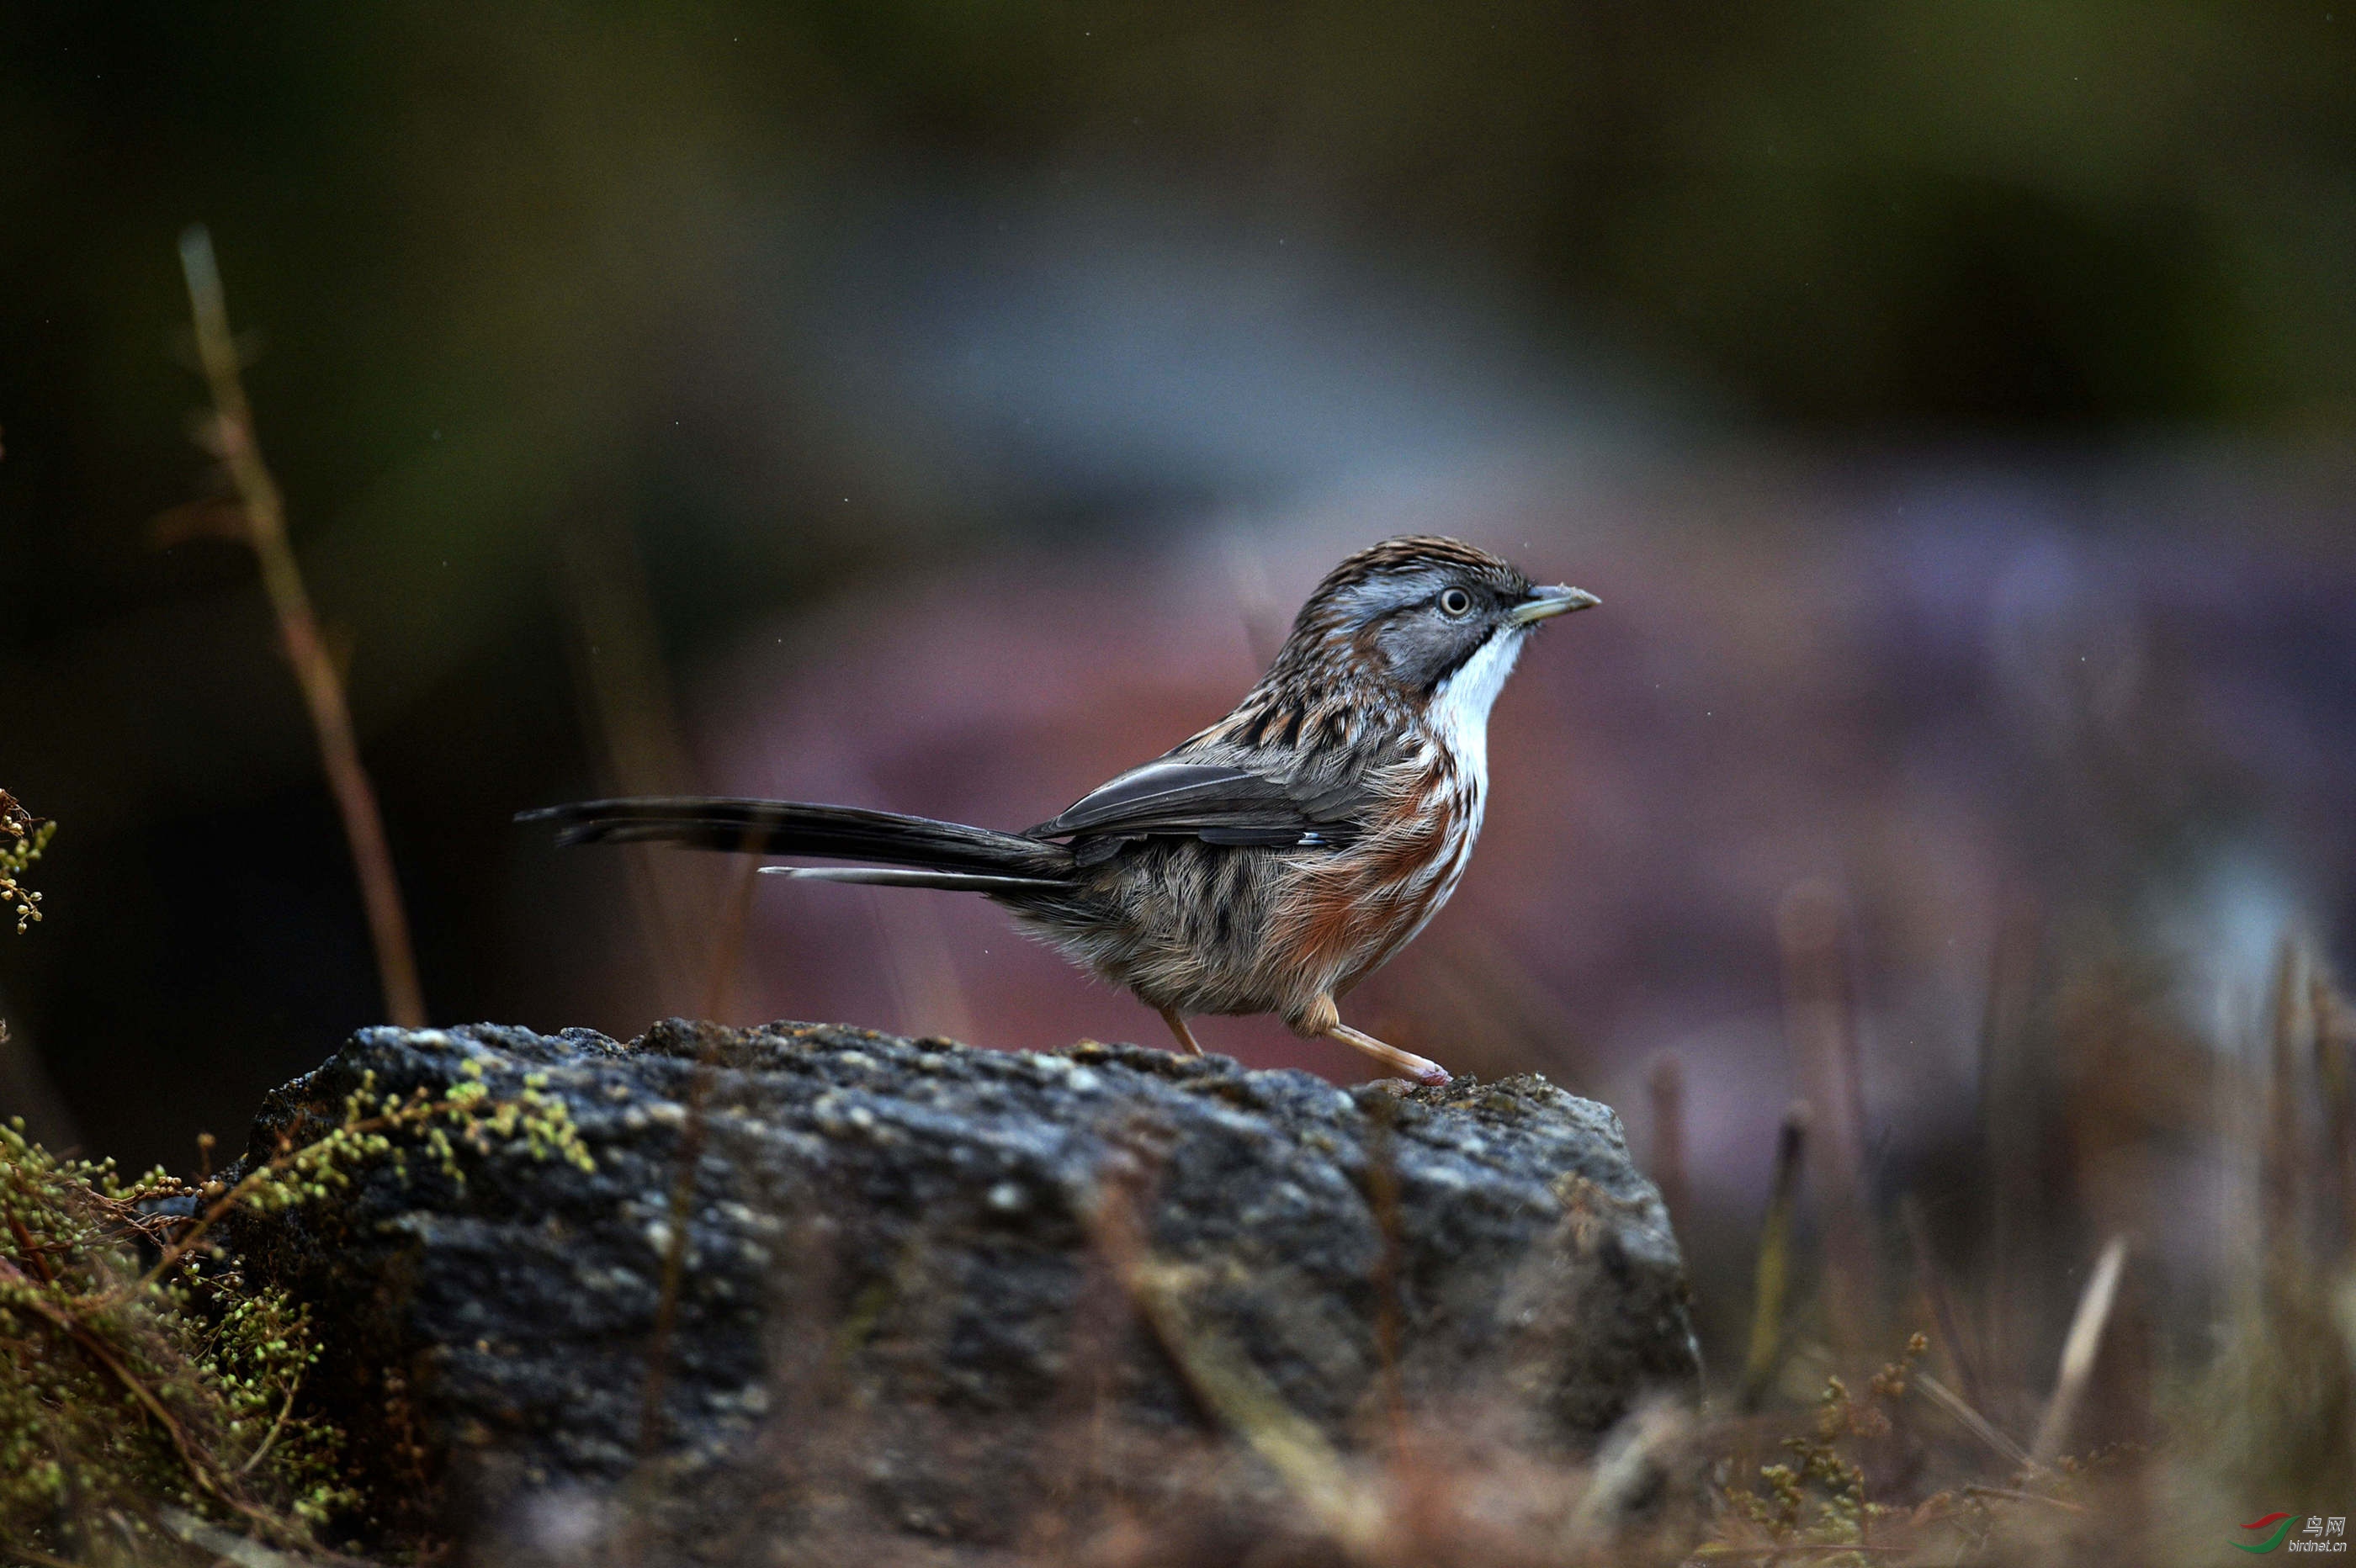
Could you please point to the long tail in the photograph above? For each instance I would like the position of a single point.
(940, 854)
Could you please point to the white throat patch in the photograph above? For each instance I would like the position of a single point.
(1460, 709)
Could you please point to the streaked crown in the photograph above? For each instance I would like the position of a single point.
(1399, 571)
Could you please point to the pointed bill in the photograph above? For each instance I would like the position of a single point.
(1546, 603)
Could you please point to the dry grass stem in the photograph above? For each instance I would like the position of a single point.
(1772, 1279)
(624, 697)
(2079, 1351)
(1972, 1421)
(1247, 1404)
(264, 514)
(1934, 1284)
(1811, 924)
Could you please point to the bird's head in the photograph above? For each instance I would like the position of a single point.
(1432, 617)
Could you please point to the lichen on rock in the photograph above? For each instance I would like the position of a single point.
(814, 1280)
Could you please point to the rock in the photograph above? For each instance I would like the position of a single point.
(936, 1292)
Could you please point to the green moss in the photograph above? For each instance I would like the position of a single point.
(142, 1384)
(122, 1392)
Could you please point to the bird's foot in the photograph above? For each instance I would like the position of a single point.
(1422, 1069)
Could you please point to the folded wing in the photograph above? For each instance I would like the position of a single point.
(1214, 802)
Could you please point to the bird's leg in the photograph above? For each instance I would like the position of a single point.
(1177, 1022)
(1325, 1019)
(1422, 1069)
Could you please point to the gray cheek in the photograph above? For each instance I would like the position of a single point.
(1422, 649)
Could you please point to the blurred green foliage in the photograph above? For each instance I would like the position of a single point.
(1999, 212)
(524, 274)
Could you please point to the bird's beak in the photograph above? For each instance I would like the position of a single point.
(1546, 603)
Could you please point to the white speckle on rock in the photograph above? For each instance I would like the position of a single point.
(567, 1524)
(1008, 1198)
(1085, 1080)
(752, 1399)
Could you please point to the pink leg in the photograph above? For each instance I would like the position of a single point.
(1177, 1023)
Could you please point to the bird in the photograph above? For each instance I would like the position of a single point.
(1266, 864)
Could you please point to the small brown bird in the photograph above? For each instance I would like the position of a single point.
(1267, 864)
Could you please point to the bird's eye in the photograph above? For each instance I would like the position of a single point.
(1456, 601)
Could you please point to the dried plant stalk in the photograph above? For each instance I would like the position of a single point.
(264, 513)
(2078, 1351)
(1775, 1260)
(1819, 1020)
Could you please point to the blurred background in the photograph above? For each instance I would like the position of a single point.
(942, 406)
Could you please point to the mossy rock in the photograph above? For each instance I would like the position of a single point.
(926, 1291)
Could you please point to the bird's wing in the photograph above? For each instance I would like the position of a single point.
(1214, 802)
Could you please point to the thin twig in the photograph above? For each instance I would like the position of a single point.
(32, 1250)
(1221, 1375)
(1713, 1553)
(1821, 1026)
(96, 1349)
(2010, 1108)
(626, 710)
(2013, 1495)
(408, 1111)
(1240, 1395)
(183, 1244)
(1978, 1425)
(1079, 1440)
(270, 1436)
(1935, 1288)
(681, 1216)
(314, 668)
(728, 942)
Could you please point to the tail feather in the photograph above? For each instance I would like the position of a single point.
(794, 827)
(955, 882)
